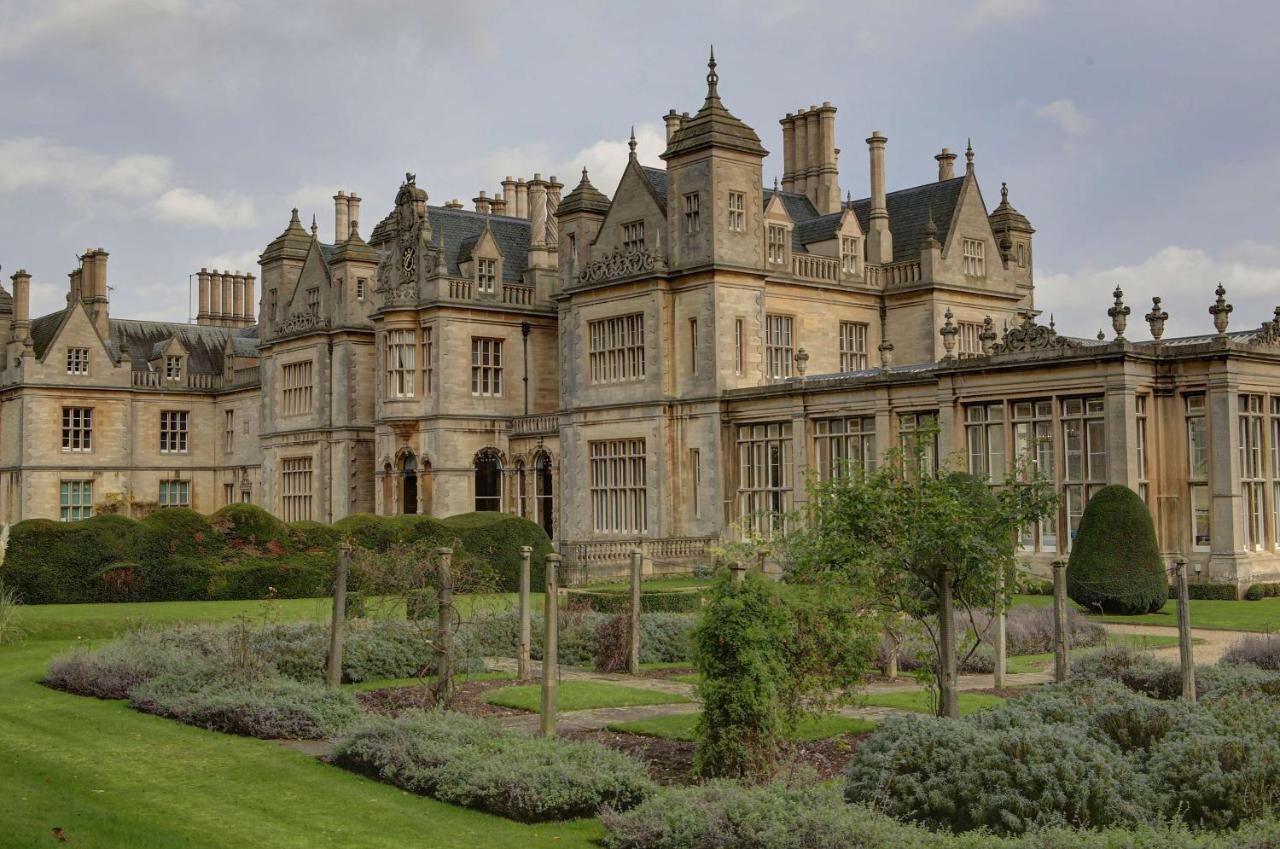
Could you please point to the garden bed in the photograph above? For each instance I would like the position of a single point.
(469, 698)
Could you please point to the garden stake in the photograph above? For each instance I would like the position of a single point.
(1061, 644)
(444, 638)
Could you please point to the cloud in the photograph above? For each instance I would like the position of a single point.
(1070, 119)
(196, 209)
(246, 261)
(1184, 279)
(985, 12)
(97, 181)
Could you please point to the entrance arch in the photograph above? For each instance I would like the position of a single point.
(488, 475)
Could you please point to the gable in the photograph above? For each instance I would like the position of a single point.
(909, 211)
(315, 275)
(636, 199)
(70, 328)
(969, 220)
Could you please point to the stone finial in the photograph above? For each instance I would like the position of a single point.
(968, 157)
(1275, 322)
(948, 333)
(1119, 313)
(315, 228)
(1004, 192)
(988, 335)
(1102, 337)
(930, 230)
(1156, 319)
(886, 353)
(1221, 310)
(713, 78)
(631, 143)
(802, 361)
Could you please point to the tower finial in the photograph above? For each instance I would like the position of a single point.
(930, 228)
(775, 183)
(1004, 192)
(968, 156)
(712, 77)
(631, 144)
(314, 228)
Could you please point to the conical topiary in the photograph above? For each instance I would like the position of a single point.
(1115, 564)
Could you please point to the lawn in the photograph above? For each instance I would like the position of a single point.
(1211, 614)
(681, 726)
(918, 701)
(581, 695)
(114, 778)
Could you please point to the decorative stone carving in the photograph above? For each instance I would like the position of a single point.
(1119, 314)
(1221, 310)
(948, 334)
(988, 335)
(886, 353)
(1029, 336)
(802, 361)
(1269, 333)
(619, 264)
(1156, 319)
(302, 321)
(413, 255)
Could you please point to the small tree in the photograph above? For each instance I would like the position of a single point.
(1115, 564)
(904, 539)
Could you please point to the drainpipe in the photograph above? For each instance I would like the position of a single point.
(524, 333)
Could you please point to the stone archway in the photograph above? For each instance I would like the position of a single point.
(488, 480)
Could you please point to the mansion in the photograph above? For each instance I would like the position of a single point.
(662, 367)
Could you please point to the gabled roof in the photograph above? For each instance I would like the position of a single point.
(909, 210)
(713, 126)
(798, 205)
(658, 179)
(456, 228)
(205, 345)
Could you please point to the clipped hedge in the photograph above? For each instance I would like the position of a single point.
(477, 764)
(239, 552)
(619, 601)
(1115, 564)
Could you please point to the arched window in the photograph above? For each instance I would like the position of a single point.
(409, 485)
(544, 493)
(388, 490)
(522, 494)
(488, 466)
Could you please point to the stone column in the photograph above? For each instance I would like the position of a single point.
(524, 637)
(202, 314)
(333, 675)
(550, 646)
(340, 226)
(1122, 431)
(1226, 514)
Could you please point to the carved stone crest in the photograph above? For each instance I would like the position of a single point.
(413, 254)
(618, 264)
(1029, 336)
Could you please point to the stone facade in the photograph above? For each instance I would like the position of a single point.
(663, 367)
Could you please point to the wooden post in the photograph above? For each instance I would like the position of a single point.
(947, 695)
(522, 656)
(447, 621)
(1061, 640)
(633, 656)
(1184, 633)
(333, 675)
(739, 571)
(550, 646)
(895, 648)
(1000, 636)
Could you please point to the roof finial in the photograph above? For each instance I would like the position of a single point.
(631, 144)
(1004, 192)
(584, 173)
(775, 182)
(712, 77)
(293, 219)
(968, 156)
(930, 228)
(314, 227)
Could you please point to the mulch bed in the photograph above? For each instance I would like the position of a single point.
(469, 699)
(670, 762)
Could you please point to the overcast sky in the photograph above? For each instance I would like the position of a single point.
(1141, 139)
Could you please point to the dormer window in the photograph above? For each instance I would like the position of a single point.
(633, 237)
(486, 275)
(777, 244)
(975, 263)
(737, 212)
(77, 361)
(173, 367)
(850, 254)
(692, 216)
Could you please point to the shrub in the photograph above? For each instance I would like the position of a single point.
(497, 538)
(664, 638)
(248, 526)
(613, 644)
(421, 604)
(112, 671)
(722, 815)
(1162, 679)
(1260, 650)
(477, 764)
(619, 601)
(267, 706)
(1207, 591)
(1115, 563)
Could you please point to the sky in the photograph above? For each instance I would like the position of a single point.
(1142, 139)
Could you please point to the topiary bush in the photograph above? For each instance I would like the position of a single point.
(1115, 565)
(497, 538)
(478, 764)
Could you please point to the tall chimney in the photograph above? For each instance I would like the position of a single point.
(353, 213)
(21, 330)
(96, 292)
(100, 274)
(799, 183)
(482, 203)
(340, 227)
(673, 122)
(250, 305)
(237, 283)
(553, 206)
(788, 152)
(828, 176)
(946, 164)
(537, 211)
(814, 158)
(509, 197)
(522, 199)
(499, 205)
(218, 311)
(202, 311)
(879, 239)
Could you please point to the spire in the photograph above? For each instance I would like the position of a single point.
(713, 78)
(968, 157)
(314, 227)
(775, 183)
(631, 144)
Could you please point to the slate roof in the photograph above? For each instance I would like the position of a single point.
(657, 179)
(144, 340)
(713, 126)
(456, 228)
(798, 205)
(585, 197)
(909, 210)
(6, 300)
(818, 229)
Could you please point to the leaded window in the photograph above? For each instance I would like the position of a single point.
(764, 477)
(619, 494)
(616, 351)
(844, 446)
(778, 350)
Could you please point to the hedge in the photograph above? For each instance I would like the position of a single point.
(619, 601)
(1115, 564)
(239, 552)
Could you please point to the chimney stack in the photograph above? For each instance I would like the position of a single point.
(879, 239)
(509, 197)
(340, 226)
(237, 283)
(522, 199)
(21, 330)
(537, 211)
(202, 309)
(453, 204)
(946, 164)
(673, 122)
(482, 203)
(553, 207)
(218, 311)
(788, 152)
(353, 213)
(814, 157)
(799, 180)
(249, 302)
(499, 205)
(827, 190)
(809, 156)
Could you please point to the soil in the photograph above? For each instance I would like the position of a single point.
(469, 699)
(670, 762)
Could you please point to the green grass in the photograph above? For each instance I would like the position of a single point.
(654, 585)
(683, 726)
(918, 701)
(581, 695)
(114, 778)
(689, 678)
(1210, 614)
